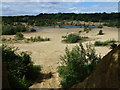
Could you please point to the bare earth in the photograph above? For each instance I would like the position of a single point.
(47, 54)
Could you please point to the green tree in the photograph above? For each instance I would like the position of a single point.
(77, 64)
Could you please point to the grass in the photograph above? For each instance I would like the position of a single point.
(105, 43)
(19, 36)
(26, 40)
(38, 38)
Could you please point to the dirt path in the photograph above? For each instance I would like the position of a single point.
(47, 54)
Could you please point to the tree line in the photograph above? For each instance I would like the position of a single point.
(50, 19)
(12, 24)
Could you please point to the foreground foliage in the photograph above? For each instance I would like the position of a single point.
(21, 71)
(77, 64)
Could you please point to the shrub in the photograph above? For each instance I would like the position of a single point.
(8, 29)
(72, 38)
(99, 43)
(105, 24)
(32, 30)
(113, 24)
(100, 32)
(19, 36)
(87, 29)
(77, 64)
(20, 28)
(100, 26)
(20, 69)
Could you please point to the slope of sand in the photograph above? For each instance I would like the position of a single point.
(106, 73)
(47, 54)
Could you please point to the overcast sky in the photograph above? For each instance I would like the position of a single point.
(13, 7)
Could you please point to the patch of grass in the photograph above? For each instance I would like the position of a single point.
(84, 37)
(87, 29)
(4, 39)
(19, 36)
(105, 43)
(38, 38)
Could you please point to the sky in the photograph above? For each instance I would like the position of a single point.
(35, 7)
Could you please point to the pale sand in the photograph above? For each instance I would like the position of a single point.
(47, 54)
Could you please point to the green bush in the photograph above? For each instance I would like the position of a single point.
(20, 69)
(20, 28)
(19, 36)
(72, 38)
(8, 29)
(100, 32)
(99, 43)
(77, 64)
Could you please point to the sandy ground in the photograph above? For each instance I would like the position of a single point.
(47, 54)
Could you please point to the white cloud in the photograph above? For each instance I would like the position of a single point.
(34, 8)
